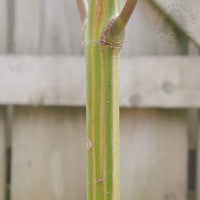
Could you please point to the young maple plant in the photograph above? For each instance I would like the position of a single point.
(102, 37)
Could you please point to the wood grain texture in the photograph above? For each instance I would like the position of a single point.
(192, 129)
(49, 154)
(198, 160)
(53, 27)
(62, 28)
(170, 82)
(27, 30)
(193, 125)
(3, 26)
(2, 157)
(153, 154)
(48, 164)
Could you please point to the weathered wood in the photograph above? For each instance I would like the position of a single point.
(2, 157)
(192, 141)
(3, 26)
(45, 141)
(28, 23)
(47, 27)
(192, 153)
(61, 31)
(153, 154)
(144, 82)
(49, 154)
(198, 160)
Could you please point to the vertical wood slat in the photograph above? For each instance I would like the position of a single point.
(3, 26)
(49, 154)
(47, 27)
(192, 141)
(153, 154)
(53, 27)
(2, 157)
(198, 159)
(27, 26)
(192, 153)
(62, 28)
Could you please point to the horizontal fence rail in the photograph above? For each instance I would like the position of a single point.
(166, 82)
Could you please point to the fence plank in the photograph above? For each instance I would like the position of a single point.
(62, 28)
(49, 145)
(144, 82)
(49, 154)
(28, 24)
(192, 129)
(46, 27)
(3, 26)
(192, 141)
(2, 157)
(153, 154)
(198, 160)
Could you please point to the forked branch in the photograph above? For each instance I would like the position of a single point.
(114, 33)
(83, 9)
(127, 11)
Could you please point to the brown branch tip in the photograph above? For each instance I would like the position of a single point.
(127, 11)
(83, 9)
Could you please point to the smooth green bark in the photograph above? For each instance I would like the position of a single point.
(102, 103)
(102, 122)
(103, 34)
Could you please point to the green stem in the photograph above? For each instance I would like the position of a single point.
(102, 104)
(102, 39)
(103, 122)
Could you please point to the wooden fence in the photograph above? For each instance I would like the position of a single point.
(42, 99)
